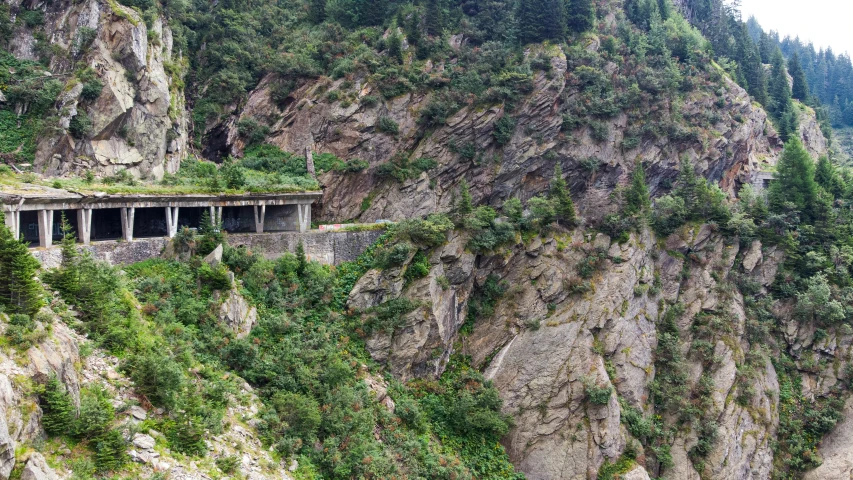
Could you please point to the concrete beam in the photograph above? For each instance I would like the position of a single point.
(127, 223)
(84, 225)
(45, 218)
(172, 221)
(74, 202)
(260, 214)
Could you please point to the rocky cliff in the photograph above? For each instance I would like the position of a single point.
(576, 353)
(121, 106)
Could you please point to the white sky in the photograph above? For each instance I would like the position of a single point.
(824, 22)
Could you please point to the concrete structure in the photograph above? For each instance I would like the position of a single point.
(762, 180)
(330, 248)
(102, 216)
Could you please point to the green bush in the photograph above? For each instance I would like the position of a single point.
(387, 125)
(419, 267)
(96, 413)
(598, 395)
(393, 256)
(160, 378)
(504, 129)
(110, 452)
(80, 125)
(91, 90)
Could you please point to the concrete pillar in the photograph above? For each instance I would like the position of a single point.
(303, 212)
(45, 228)
(13, 221)
(215, 215)
(172, 221)
(127, 223)
(260, 213)
(84, 225)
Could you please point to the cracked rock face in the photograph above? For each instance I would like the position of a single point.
(139, 122)
(549, 341)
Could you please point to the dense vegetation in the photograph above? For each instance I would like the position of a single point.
(305, 358)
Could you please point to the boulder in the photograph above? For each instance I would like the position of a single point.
(38, 469)
(237, 314)
(214, 258)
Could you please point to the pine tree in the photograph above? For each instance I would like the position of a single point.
(434, 17)
(827, 177)
(57, 408)
(800, 90)
(751, 67)
(637, 196)
(301, 259)
(580, 15)
(68, 279)
(19, 268)
(794, 181)
(540, 20)
(780, 105)
(317, 11)
(564, 208)
(110, 451)
(466, 203)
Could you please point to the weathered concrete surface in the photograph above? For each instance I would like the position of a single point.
(330, 248)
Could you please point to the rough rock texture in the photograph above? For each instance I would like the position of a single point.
(837, 450)
(741, 143)
(237, 314)
(545, 345)
(38, 469)
(139, 122)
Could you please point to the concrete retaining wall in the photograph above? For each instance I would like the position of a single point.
(330, 248)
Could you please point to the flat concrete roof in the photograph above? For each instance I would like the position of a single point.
(63, 200)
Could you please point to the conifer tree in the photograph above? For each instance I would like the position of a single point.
(794, 181)
(637, 196)
(540, 20)
(580, 15)
(110, 451)
(18, 268)
(68, 279)
(780, 105)
(434, 21)
(301, 259)
(564, 208)
(57, 408)
(827, 177)
(466, 203)
(800, 89)
(751, 67)
(317, 11)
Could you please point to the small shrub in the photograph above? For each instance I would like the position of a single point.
(394, 256)
(387, 125)
(504, 128)
(598, 395)
(91, 90)
(80, 125)
(599, 131)
(228, 465)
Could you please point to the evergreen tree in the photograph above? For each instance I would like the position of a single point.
(211, 232)
(750, 64)
(317, 11)
(580, 15)
(301, 259)
(110, 451)
(57, 408)
(794, 181)
(68, 277)
(559, 194)
(780, 105)
(19, 269)
(637, 198)
(800, 90)
(540, 20)
(434, 21)
(466, 203)
(827, 177)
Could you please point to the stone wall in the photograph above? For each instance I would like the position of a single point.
(330, 248)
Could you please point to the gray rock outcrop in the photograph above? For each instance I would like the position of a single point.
(38, 469)
(236, 313)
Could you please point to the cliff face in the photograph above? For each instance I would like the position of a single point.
(137, 120)
(551, 342)
(735, 140)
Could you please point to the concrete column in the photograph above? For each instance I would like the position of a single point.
(45, 228)
(309, 163)
(84, 225)
(260, 213)
(13, 221)
(215, 215)
(172, 221)
(127, 223)
(304, 214)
